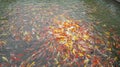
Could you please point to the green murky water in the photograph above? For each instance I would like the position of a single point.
(107, 12)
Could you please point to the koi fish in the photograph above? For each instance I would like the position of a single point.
(5, 59)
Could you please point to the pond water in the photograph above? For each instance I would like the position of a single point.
(59, 33)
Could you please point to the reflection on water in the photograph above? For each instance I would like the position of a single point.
(61, 33)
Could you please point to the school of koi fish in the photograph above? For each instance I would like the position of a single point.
(60, 42)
